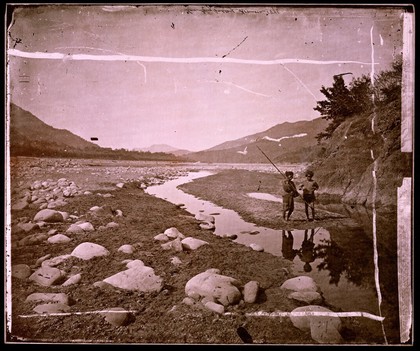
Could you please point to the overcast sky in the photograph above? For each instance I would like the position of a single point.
(188, 76)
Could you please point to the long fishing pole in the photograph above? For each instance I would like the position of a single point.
(311, 206)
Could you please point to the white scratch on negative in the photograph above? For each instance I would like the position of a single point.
(104, 50)
(300, 81)
(85, 57)
(310, 313)
(375, 166)
(285, 137)
(62, 314)
(237, 86)
(245, 89)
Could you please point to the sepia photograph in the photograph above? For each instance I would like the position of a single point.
(209, 174)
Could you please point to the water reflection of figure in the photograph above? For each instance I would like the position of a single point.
(307, 252)
(287, 246)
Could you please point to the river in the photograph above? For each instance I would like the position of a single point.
(341, 265)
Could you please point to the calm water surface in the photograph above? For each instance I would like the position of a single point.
(341, 265)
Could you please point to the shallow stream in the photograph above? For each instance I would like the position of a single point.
(341, 266)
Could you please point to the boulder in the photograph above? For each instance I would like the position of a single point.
(116, 316)
(48, 215)
(127, 249)
(222, 288)
(52, 308)
(324, 329)
(215, 307)
(301, 283)
(192, 243)
(173, 233)
(55, 261)
(47, 276)
(48, 297)
(256, 247)
(75, 279)
(87, 251)
(309, 297)
(204, 218)
(58, 239)
(138, 278)
(251, 291)
(21, 271)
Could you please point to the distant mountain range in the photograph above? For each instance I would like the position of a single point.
(285, 142)
(29, 136)
(164, 148)
(26, 129)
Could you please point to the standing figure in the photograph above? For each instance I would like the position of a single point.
(287, 246)
(289, 193)
(309, 186)
(307, 254)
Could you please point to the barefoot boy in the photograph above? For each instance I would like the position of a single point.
(309, 187)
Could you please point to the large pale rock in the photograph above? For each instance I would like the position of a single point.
(47, 276)
(48, 215)
(301, 283)
(207, 226)
(324, 329)
(75, 229)
(33, 239)
(161, 237)
(173, 233)
(20, 205)
(135, 263)
(48, 297)
(222, 288)
(102, 211)
(116, 316)
(204, 218)
(73, 280)
(86, 226)
(21, 271)
(215, 307)
(87, 251)
(58, 239)
(192, 243)
(256, 247)
(28, 227)
(138, 278)
(52, 308)
(55, 261)
(251, 291)
(42, 259)
(310, 297)
(127, 249)
(173, 245)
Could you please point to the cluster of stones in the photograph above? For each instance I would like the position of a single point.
(207, 222)
(323, 329)
(215, 291)
(210, 289)
(47, 194)
(45, 272)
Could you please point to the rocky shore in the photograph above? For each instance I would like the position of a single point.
(95, 259)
